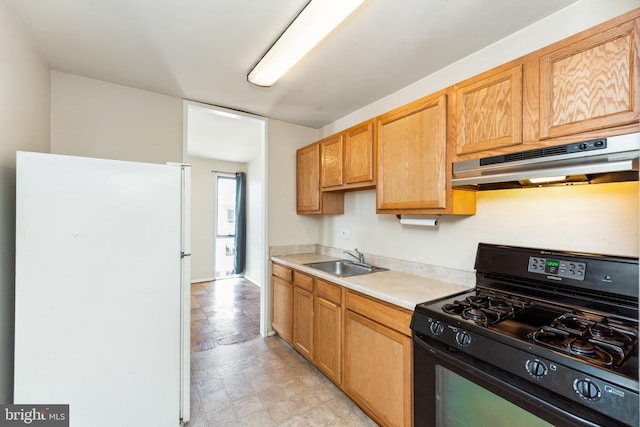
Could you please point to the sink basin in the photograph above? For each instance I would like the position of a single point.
(344, 268)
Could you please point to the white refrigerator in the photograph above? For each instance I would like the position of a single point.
(102, 289)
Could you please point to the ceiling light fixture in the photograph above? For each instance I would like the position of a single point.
(314, 23)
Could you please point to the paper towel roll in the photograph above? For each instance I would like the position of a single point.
(421, 222)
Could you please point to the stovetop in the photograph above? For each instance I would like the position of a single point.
(574, 308)
(598, 341)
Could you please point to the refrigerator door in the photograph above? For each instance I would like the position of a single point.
(98, 296)
(185, 286)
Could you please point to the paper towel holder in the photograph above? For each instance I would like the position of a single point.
(423, 222)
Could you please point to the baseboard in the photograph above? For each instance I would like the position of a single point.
(252, 280)
(210, 279)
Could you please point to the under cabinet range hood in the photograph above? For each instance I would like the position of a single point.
(595, 161)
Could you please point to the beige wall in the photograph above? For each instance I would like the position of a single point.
(285, 227)
(203, 194)
(93, 118)
(24, 126)
(600, 218)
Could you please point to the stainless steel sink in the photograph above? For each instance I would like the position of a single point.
(345, 268)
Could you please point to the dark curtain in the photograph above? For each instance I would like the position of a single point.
(241, 223)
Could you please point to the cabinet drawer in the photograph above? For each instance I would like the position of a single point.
(328, 291)
(281, 272)
(303, 281)
(384, 313)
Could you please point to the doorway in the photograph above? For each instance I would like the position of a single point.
(218, 139)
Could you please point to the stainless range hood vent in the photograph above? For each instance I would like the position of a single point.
(594, 161)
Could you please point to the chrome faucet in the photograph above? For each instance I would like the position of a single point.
(359, 257)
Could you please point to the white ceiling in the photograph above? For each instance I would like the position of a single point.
(202, 50)
(221, 134)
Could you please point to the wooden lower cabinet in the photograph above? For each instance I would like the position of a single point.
(360, 343)
(377, 370)
(282, 305)
(328, 338)
(303, 321)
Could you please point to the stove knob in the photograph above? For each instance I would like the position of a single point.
(536, 368)
(586, 389)
(463, 338)
(436, 328)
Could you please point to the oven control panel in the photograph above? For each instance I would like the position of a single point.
(557, 267)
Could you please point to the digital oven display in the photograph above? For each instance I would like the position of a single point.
(569, 269)
(551, 266)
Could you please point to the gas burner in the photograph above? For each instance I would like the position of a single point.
(474, 314)
(596, 342)
(485, 309)
(581, 346)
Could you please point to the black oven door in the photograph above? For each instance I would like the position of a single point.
(452, 389)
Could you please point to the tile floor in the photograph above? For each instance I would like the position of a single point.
(224, 312)
(241, 379)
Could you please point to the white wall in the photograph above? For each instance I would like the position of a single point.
(203, 196)
(285, 226)
(601, 218)
(24, 125)
(255, 258)
(93, 118)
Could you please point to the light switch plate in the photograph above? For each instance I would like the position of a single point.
(345, 232)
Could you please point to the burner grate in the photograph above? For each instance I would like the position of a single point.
(486, 309)
(591, 339)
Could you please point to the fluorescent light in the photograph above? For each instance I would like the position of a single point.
(313, 24)
(547, 179)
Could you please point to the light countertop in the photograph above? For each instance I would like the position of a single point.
(401, 289)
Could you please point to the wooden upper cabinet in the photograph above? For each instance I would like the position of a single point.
(331, 170)
(309, 198)
(591, 81)
(488, 110)
(308, 179)
(348, 159)
(359, 155)
(412, 148)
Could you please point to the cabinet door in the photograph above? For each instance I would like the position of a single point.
(592, 83)
(488, 111)
(412, 149)
(309, 199)
(303, 321)
(331, 162)
(282, 314)
(378, 370)
(327, 349)
(308, 179)
(359, 154)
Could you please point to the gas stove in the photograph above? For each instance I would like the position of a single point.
(566, 322)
